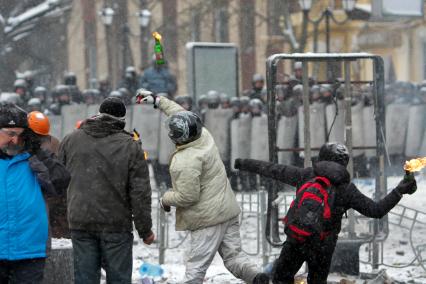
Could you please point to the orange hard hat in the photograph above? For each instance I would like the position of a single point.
(39, 123)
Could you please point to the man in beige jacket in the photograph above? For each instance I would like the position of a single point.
(205, 203)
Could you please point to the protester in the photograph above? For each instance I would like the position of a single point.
(205, 203)
(29, 174)
(39, 123)
(109, 188)
(317, 250)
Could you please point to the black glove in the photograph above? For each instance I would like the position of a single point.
(408, 185)
(166, 208)
(237, 164)
(42, 174)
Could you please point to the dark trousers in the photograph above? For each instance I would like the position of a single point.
(27, 271)
(112, 251)
(293, 255)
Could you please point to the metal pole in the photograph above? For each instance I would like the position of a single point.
(381, 182)
(262, 204)
(348, 136)
(109, 51)
(306, 116)
(327, 29)
(162, 238)
(145, 54)
(271, 74)
(327, 41)
(124, 46)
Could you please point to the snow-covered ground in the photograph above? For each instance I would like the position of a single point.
(397, 248)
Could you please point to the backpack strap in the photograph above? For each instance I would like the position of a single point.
(303, 187)
(325, 181)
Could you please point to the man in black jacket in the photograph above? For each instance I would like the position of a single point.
(109, 187)
(333, 159)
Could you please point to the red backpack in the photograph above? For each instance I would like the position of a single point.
(310, 211)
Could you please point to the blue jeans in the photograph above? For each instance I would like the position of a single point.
(111, 251)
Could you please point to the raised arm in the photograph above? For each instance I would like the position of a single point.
(169, 107)
(287, 174)
(377, 209)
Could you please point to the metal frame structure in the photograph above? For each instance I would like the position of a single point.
(192, 76)
(380, 227)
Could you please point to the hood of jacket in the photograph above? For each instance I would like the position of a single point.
(103, 125)
(336, 173)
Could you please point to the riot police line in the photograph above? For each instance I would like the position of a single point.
(246, 135)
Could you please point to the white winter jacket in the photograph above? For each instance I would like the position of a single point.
(201, 193)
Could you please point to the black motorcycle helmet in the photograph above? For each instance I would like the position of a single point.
(70, 79)
(184, 101)
(184, 127)
(41, 93)
(334, 152)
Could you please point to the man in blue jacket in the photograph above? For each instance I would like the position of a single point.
(23, 214)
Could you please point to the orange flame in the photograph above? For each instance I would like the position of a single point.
(415, 165)
(157, 36)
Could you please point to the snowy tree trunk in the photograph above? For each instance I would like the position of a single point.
(59, 267)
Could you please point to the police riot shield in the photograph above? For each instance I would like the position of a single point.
(396, 127)
(55, 126)
(259, 138)
(217, 121)
(240, 138)
(416, 119)
(337, 130)
(286, 138)
(165, 145)
(358, 128)
(129, 119)
(317, 126)
(146, 120)
(92, 110)
(369, 130)
(71, 114)
(422, 150)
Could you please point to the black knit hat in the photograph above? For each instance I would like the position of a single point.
(113, 106)
(12, 116)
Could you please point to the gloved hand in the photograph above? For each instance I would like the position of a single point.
(43, 175)
(150, 239)
(165, 207)
(408, 185)
(147, 97)
(237, 164)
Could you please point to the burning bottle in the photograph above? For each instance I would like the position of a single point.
(415, 165)
(158, 49)
(412, 166)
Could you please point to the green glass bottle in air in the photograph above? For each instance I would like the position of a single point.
(158, 49)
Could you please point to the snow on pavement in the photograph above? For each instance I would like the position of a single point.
(397, 247)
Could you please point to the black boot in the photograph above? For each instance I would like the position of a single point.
(261, 278)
